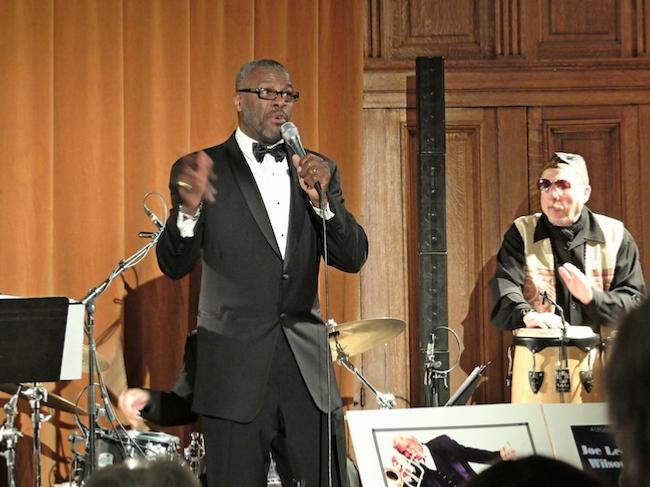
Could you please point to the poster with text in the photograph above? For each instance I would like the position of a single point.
(580, 435)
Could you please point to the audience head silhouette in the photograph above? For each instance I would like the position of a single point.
(533, 471)
(627, 381)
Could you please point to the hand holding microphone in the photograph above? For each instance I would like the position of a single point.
(314, 173)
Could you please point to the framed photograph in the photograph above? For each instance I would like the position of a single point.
(442, 446)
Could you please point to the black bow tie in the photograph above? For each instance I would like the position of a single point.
(278, 151)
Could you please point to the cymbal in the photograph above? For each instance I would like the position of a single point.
(360, 336)
(53, 400)
(101, 360)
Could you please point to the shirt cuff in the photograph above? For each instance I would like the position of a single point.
(186, 222)
(327, 213)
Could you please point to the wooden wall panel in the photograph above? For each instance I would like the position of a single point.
(402, 30)
(510, 31)
(642, 197)
(573, 28)
(506, 197)
(486, 153)
(456, 27)
(471, 148)
(384, 277)
(642, 15)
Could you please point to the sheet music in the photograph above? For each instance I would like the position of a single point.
(71, 358)
(73, 344)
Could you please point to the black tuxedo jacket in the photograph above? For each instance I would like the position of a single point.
(452, 462)
(249, 293)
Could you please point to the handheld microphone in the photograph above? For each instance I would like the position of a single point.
(292, 139)
(152, 216)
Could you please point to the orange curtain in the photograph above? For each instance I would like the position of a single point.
(97, 99)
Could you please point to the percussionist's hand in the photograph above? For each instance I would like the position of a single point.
(542, 320)
(576, 282)
(312, 169)
(131, 402)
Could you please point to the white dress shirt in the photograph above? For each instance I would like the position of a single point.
(274, 184)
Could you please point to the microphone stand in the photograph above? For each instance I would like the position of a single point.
(433, 368)
(328, 324)
(89, 302)
(432, 373)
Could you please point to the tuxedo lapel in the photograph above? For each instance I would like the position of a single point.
(252, 196)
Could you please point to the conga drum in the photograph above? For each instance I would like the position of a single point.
(547, 368)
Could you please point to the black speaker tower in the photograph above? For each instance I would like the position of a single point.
(432, 248)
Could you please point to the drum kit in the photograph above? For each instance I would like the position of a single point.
(106, 446)
(119, 445)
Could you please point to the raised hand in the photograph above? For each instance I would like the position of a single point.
(195, 180)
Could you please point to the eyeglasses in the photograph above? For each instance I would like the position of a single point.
(268, 94)
(544, 184)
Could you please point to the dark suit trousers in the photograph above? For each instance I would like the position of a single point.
(289, 424)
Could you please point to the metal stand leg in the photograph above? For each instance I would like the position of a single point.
(36, 394)
(385, 400)
(9, 434)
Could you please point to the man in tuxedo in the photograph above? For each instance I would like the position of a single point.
(444, 462)
(250, 209)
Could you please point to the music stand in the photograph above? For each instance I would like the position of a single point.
(41, 340)
(467, 388)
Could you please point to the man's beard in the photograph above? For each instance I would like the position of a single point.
(266, 135)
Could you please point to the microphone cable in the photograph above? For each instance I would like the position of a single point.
(327, 342)
(292, 139)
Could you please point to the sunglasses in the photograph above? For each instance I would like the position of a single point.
(544, 184)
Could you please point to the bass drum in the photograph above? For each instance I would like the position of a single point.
(540, 373)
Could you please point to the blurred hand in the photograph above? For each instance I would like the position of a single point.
(542, 320)
(195, 180)
(576, 282)
(508, 453)
(131, 402)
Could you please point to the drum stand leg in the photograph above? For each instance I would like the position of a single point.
(194, 452)
(9, 434)
(36, 394)
(385, 400)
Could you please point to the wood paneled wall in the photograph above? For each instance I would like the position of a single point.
(524, 78)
